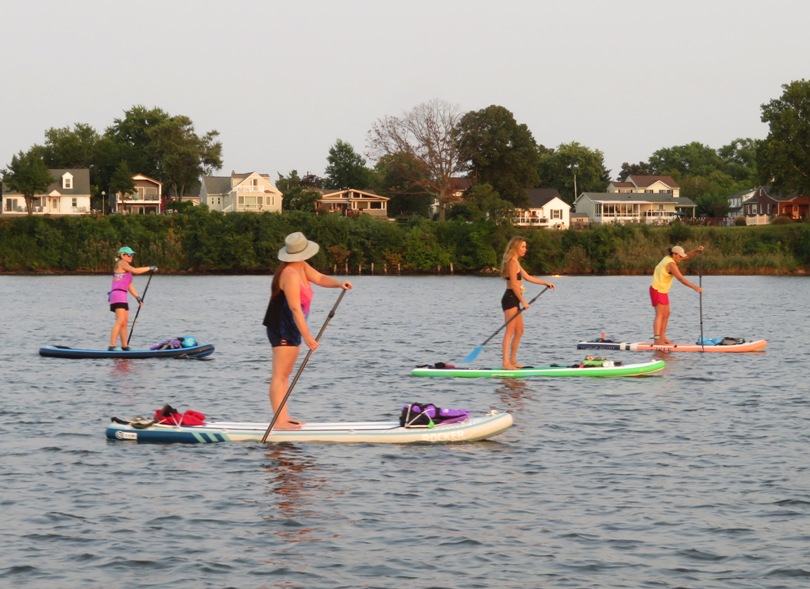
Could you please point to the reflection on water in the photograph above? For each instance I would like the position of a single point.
(292, 485)
(513, 394)
(122, 365)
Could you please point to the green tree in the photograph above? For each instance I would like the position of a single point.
(483, 203)
(693, 159)
(121, 181)
(784, 155)
(639, 169)
(426, 134)
(347, 168)
(394, 177)
(740, 161)
(498, 151)
(163, 147)
(290, 186)
(712, 205)
(28, 175)
(716, 183)
(300, 194)
(70, 148)
(573, 168)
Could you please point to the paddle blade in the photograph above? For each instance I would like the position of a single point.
(472, 355)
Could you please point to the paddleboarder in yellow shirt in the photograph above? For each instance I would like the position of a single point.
(665, 271)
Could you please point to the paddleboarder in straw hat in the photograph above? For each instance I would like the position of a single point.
(286, 315)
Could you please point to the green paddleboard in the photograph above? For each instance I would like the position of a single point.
(616, 369)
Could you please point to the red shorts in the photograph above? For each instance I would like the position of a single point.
(658, 298)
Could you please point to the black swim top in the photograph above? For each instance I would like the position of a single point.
(519, 276)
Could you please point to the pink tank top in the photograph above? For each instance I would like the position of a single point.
(306, 296)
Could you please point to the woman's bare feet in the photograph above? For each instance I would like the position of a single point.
(289, 424)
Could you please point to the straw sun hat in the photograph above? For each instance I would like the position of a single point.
(297, 248)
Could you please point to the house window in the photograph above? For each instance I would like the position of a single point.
(67, 182)
(74, 202)
(11, 204)
(556, 213)
(147, 193)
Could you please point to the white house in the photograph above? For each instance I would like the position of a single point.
(250, 192)
(546, 210)
(69, 194)
(639, 199)
(615, 207)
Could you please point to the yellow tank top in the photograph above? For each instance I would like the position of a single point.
(662, 278)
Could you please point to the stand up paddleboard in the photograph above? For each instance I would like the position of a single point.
(370, 432)
(198, 351)
(608, 369)
(601, 344)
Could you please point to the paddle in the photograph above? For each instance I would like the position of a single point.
(301, 368)
(700, 285)
(474, 354)
(143, 296)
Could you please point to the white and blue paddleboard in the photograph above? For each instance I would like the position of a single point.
(370, 432)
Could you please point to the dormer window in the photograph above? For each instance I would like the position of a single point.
(67, 181)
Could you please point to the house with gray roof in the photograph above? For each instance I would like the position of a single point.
(763, 204)
(68, 194)
(247, 192)
(631, 207)
(639, 199)
(546, 210)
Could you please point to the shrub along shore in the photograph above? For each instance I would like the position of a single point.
(202, 242)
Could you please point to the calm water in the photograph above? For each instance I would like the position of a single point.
(697, 478)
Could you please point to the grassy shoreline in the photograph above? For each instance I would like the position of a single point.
(205, 243)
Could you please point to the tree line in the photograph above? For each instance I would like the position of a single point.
(197, 241)
(417, 157)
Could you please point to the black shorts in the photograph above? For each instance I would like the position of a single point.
(509, 300)
(292, 337)
(124, 306)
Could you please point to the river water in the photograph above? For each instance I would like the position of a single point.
(695, 478)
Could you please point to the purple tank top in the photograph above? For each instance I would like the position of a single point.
(120, 286)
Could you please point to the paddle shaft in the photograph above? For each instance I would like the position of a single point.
(143, 296)
(474, 354)
(277, 412)
(700, 285)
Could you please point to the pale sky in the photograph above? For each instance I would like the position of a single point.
(283, 81)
